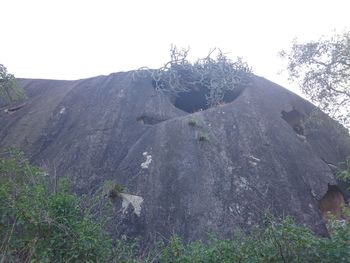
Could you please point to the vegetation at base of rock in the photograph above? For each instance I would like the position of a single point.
(322, 69)
(283, 241)
(214, 76)
(39, 223)
(9, 88)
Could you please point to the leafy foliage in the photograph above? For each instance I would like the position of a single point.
(322, 69)
(9, 89)
(276, 242)
(215, 76)
(39, 225)
(344, 170)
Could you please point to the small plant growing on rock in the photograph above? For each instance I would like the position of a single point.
(203, 137)
(193, 122)
(115, 190)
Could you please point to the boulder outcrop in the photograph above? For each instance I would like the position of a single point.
(187, 170)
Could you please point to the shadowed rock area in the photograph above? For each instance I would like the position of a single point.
(211, 171)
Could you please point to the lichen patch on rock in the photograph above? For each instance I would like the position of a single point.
(133, 200)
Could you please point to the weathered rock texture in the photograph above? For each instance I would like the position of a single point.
(210, 171)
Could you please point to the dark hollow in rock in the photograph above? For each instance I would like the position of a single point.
(196, 99)
(332, 204)
(191, 101)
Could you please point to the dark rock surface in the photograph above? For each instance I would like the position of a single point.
(211, 171)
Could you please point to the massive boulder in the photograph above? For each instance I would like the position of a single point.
(186, 169)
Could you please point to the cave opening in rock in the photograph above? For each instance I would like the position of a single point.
(191, 101)
(332, 204)
(296, 120)
(196, 99)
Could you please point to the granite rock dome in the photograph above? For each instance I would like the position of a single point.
(190, 173)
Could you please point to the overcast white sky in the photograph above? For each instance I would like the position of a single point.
(72, 39)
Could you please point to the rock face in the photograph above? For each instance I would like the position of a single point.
(190, 173)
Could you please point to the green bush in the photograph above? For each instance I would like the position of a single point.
(276, 242)
(344, 170)
(9, 88)
(42, 225)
